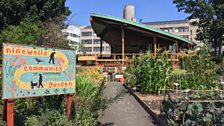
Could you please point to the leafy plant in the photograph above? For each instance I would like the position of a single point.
(200, 72)
(151, 74)
(48, 118)
(90, 104)
(85, 87)
(181, 112)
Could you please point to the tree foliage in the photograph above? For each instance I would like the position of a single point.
(54, 37)
(37, 22)
(26, 32)
(12, 12)
(211, 19)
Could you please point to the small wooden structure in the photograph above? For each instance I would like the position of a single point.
(128, 38)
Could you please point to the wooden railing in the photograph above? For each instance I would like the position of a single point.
(118, 56)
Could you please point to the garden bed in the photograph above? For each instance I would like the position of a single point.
(153, 101)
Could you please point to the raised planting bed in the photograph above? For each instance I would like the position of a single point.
(191, 107)
(153, 101)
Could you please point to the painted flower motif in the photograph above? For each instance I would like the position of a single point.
(16, 57)
(9, 58)
(12, 63)
(60, 60)
(34, 93)
(23, 95)
(70, 75)
(17, 63)
(21, 91)
(23, 60)
(28, 92)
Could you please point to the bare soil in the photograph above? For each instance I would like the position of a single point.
(153, 101)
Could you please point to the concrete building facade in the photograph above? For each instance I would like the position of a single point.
(181, 28)
(90, 43)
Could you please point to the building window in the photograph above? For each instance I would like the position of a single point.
(86, 33)
(107, 49)
(96, 49)
(86, 41)
(170, 29)
(96, 41)
(87, 49)
(182, 29)
(73, 35)
(185, 36)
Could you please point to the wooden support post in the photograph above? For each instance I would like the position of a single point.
(122, 47)
(4, 115)
(101, 47)
(154, 46)
(68, 106)
(114, 58)
(177, 48)
(8, 114)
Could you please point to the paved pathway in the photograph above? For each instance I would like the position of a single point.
(124, 112)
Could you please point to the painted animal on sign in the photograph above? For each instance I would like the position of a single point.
(32, 84)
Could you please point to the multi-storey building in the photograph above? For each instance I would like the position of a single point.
(90, 43)
(178, 27)
(73, 36)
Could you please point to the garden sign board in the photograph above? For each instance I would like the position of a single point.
(36, 71)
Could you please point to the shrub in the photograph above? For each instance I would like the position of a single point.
(89, 101)
(85, 87)
(48, 118)
(92, 74)
(200, 72)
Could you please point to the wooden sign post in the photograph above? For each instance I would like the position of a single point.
(68, 106)
(8, 112)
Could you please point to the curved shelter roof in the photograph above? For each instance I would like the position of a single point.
(137, 36)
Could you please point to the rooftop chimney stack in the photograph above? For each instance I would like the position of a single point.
(129, 13)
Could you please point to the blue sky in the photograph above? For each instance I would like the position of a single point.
(147, 10)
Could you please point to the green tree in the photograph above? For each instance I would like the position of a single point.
(12, 12)
(36, 22)
(26, 32)
(211, 20)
